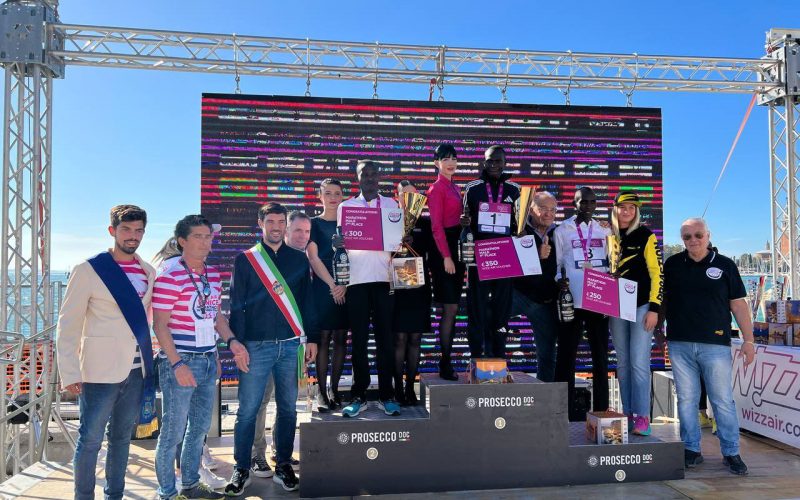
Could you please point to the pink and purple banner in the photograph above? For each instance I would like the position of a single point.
(499, 258)
(605, 294)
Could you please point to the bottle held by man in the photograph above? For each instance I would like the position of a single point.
(566, 304)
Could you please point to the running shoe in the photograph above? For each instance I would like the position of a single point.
(201, 490)
(284, 475)
(239, 481)
(209, 462)
(211, 479)
(295, 462)
(356, 406)
(389, 407)
(641, 425)
(735, 465)
(259, 467)
(692, 458)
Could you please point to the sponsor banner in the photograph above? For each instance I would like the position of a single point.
(373, 437)
(605, 294)
(365, 228)
(766, 392)
(507, 258)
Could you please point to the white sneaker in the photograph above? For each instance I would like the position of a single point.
(209, 462)
(212, 480)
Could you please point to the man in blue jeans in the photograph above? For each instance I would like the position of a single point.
(271, 313)
(186, 301)
(701, 290)
(99, 354)
(535, 296)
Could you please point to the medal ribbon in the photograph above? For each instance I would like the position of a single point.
(584, 243)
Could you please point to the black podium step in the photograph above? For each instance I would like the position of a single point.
(472, 437)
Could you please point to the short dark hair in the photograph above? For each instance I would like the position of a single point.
(271, 208)
(362, 164)
(330, 182)
(495, 147)
(184, 227)
(444, 151)
(127, 213)
(297, 214)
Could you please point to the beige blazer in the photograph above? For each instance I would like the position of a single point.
(93, 341)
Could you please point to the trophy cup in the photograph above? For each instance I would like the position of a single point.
(521, 207)
(413, 204)
(614, 252)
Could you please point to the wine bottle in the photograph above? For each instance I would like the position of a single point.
(566, 304)
(467, 247)
(341, 263)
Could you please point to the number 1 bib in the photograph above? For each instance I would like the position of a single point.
(493, 217)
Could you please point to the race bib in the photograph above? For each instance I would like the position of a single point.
(205, 334)
(494, 218)
(595, 255)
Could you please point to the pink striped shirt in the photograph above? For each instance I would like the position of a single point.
(175, 292)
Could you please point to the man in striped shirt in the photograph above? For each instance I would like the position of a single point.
(186, 301)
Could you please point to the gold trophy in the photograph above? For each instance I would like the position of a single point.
(522, 206)
(413, 205)
(614, 246)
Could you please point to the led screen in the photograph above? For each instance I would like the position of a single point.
(257, 149)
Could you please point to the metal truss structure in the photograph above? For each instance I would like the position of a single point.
(35, 48)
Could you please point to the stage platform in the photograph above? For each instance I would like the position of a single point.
(774, 467)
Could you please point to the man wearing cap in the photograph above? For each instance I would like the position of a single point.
(701, 290)
(581, 244)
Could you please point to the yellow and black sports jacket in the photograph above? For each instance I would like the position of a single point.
(641, 261)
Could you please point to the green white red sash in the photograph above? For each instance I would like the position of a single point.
(278, 289)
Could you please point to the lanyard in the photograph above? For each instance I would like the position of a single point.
(489, 193)
(201, 296)
(377, 205)
(584, 243)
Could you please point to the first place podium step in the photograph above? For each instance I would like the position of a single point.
(471, 437)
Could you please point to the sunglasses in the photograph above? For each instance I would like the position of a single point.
(688, 236)
(206, 286)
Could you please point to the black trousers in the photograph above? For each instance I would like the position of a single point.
(371, 302)
(488, 310)
(569, 336)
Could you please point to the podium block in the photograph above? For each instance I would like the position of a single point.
(471, 437)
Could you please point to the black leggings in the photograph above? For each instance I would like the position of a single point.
(569, 336)
(406, 359)
(339, 352)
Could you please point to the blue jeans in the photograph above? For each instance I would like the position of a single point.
(633, 344)
(690, 361)
(118, 406)
(545, 330)
(186, 417)
(268, 359)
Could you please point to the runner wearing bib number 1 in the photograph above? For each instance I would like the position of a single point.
(490, 204)
(581, 244)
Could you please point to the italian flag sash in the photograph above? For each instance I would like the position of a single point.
(279, 290)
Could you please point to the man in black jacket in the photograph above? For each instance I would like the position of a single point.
(490, 204)
(535, 296)
(272, 315)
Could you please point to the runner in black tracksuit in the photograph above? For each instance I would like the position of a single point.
(489, 302)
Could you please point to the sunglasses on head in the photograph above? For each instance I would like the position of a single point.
(688, 236)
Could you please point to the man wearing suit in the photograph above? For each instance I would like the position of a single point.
(99, 354)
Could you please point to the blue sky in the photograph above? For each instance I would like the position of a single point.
(125, 136)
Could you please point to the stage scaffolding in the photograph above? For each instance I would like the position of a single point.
(35, 48)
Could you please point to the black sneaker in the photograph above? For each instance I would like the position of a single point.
(201, 490)
(735, 465)
(274, 459)
(284, 475)
(259, 467)
(239, 481)
(691, 458)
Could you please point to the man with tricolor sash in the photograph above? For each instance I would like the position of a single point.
(271, 314)
(105, 354)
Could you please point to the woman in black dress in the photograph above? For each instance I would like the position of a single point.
(412, 313)
(328, 297)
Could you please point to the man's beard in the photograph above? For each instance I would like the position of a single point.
(128, 250)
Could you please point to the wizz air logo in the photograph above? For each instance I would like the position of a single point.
(773, 378)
